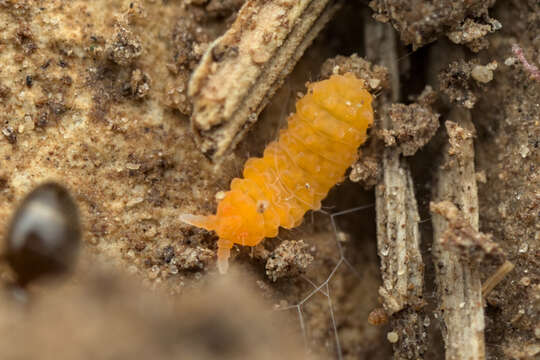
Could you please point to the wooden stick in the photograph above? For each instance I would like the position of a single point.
(398, 237)
(242, 69)
(458, 279)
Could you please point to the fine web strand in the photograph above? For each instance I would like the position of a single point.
(334, 326)
(324, 287)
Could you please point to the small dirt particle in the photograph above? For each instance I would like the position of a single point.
(124, 47)
(25, 39)
(378, 317)
(509, 61)
(43, 118)
(4, 92)
(10, 134)
(167, 253)
(472, 33)
(193, 258)
(457, 137)
(290, 258)
(67, 80)
(29, 81)
(412, 127)
(140, 246)
(376, 76)
(482, 74)
(455, 83)
(154, 272)
(140, 83)
(392, 337)
(525, 281)
(365, 171)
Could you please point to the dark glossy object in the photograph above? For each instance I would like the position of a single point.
(44, 235)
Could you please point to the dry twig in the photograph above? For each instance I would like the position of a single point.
(458, 279)
(242, 69)
(398, 238)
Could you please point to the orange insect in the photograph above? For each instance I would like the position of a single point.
(296, 171)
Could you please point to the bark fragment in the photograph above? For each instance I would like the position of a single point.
(242, 69)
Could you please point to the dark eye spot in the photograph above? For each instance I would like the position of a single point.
(44, 235)
(262, 205)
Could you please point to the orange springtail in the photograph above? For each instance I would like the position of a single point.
(296, 171)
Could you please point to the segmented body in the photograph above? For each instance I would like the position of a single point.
(296, 171)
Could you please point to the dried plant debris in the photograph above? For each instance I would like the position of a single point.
(242, 69)
(375, 76)
(290, 258)
(458, 279)
(421, 22)
(495, 278)
(398, 237)
(412, 127)
(462, 237)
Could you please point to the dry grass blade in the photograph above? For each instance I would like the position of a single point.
(497, 277)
